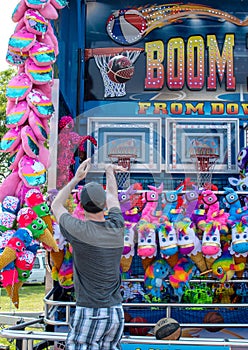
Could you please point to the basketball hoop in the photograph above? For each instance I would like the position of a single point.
(102, 57)
(204, 159)
(124, 160)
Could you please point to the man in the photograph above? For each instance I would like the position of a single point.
(97, 248)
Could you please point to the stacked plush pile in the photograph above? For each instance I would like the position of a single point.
(32, 49)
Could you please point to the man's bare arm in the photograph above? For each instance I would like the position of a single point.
(58, 205)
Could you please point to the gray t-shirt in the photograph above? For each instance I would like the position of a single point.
(97, 249)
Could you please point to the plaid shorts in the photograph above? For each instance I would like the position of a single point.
(96, 329)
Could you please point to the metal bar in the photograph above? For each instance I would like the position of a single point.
(28, 338)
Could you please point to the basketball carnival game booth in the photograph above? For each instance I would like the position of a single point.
(162, 90)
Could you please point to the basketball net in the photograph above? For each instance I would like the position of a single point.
(124, 160)
(204, 160)
(111, 88)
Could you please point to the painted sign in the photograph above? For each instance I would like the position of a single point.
(191, 51)
(171, 347)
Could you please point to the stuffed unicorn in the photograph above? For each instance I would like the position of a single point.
(211, 245)
(147, 246)
(189, 243)
(239, 244)
(168, 243)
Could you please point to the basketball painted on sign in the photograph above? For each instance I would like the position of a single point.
(120, 69)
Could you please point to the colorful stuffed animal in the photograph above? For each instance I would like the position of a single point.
(239, 245)
(168, 245)
(35, 200)
(154, 279)
(128, 249)
(189, 244)
(211, 245)
(223, 293)
(242, 161)
(130, 213)
(27, 218)
(224, 268)
(147, 246)
(212, 208)
(152, 210)
(68, 141)
(169, 203)
(182, 273)
(237, 212)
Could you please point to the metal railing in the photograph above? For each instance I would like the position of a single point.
(60, 320)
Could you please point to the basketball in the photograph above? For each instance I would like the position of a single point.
(167, 329)
(138, 330)
(126, 26)
(213, 317)
(120, 69)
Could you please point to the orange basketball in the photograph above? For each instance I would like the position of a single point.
(213, 317)
(138, 330)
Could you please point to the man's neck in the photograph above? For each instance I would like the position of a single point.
(95, 216)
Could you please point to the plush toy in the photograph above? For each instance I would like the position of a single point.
(32, 49)
(189, 243)
(212, 208)
(242, 161)
(78, 212)
(168, 243)
(154, 279)
(147, 246)
(237, 212)
(198, 293)
(130, 213)
(68, 140)
(35, 200)
(9, 280)
(132, 292)
(27, 218)
(223, 293)
(152, 210)
(224, 267)
(11, 204)
(128, 250)
(242, 292)
(239, 244)
(32, 172)
(169, 203)
(211, 245)
(187, 185)
(181, 275)
(16, 261)
(192, 204)
(7, 221)
(16, 245)
(65, 273)
(18, 87)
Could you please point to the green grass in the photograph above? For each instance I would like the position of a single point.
(30, 300)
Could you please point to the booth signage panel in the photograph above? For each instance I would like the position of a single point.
(171, 347)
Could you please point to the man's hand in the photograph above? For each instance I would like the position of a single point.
(82, 170)
(115, 168)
